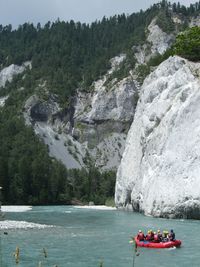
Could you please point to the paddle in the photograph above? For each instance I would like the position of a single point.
(136, 253)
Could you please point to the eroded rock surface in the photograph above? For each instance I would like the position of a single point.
(95, 124)
(160, 169)
(9, 72)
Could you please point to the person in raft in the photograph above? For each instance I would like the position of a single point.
(140, 236)
(165, 236)
(156, 238)
(171, 235)
(159, 235)
(150, 235)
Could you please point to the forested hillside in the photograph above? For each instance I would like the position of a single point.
(65, 56)
(70, 54)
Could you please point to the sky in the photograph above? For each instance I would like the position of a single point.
(17, 12)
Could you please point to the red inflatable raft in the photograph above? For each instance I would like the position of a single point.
(168, 244)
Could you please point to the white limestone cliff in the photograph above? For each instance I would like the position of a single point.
(159, 173)
(158, 42)
(95, 124)
(117, 103)
(9, 72)
(102, 118)
(3, 100)
(195, 21)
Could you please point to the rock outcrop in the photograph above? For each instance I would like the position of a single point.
(157, 42)
(3, 100)
(159, 173)
(9, 72)
(195, 21)
(103, 118)
(98, 121)
(160, 41)
(45, 116)
(116, 103)
(95, 124)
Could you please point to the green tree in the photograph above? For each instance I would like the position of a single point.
(187, 44)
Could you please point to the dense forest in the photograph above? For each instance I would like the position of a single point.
(28, 175)
(67, 56)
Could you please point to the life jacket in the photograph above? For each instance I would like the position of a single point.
(152, 235)
(160, 236)
(156, 238)
(171, 236)
(140, 236)
(165, 234)
(148, 237)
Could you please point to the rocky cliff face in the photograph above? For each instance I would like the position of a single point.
(158, 42)
(3, 100)
(95, 125)
(9, 72)
(159, 173)
(102, 120)
(194, 21)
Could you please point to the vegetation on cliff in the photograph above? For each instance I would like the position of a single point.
(69, 55)
(187, 44)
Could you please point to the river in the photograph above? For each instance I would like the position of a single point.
(78, 237)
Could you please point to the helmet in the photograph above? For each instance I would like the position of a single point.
(158, 231)
(140, 231)
(149, 232)
(154, 233)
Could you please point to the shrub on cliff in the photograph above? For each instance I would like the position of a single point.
(187, 44)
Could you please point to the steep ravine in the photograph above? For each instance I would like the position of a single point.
(159, 173)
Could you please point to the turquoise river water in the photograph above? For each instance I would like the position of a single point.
(85, 237)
